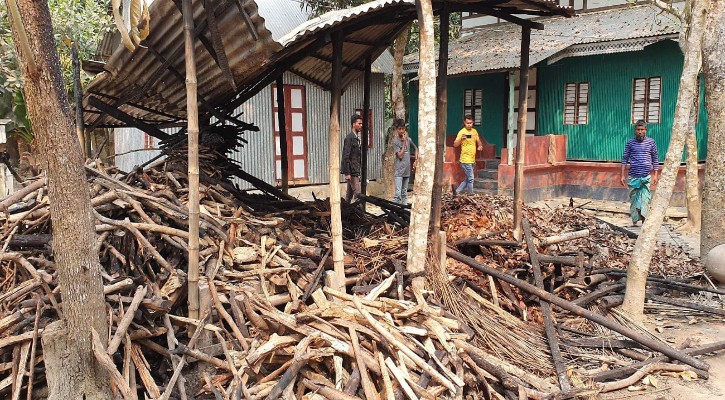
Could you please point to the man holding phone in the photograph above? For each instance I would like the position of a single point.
(469, 141)
(401, 146)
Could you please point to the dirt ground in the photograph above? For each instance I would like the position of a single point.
(675, 332)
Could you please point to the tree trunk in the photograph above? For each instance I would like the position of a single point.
(420, 214)
(692, 179)
(644, 248)
(441, 119)
(713, 193)
(398, 100)
(78, 95)
(70, 208)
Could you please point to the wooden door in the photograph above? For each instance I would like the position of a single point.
(296, 127)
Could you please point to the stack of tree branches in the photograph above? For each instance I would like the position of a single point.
(272, 327)
(272, 324)
(577, 259)
(490, 217)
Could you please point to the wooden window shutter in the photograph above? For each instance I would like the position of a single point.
(647, 99)
(576, 103)
(473, 105)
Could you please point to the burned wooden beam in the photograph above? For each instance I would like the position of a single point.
(217, 44)
(281, 111)
(546, 311)
(127, 119)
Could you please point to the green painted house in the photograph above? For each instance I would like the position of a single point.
(592, 76)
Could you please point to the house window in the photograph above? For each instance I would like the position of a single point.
(359, 111)
(472, 104)
(646, 99)
(148, 142)
(576, 103)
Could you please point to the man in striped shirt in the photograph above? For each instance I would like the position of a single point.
(641, 155)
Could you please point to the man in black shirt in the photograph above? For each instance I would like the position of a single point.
(352, 158)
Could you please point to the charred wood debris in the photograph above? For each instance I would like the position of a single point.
(502, 320)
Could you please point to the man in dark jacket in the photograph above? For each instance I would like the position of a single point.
(352, 158)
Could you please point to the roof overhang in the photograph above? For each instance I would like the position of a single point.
(614, 30)
(612, 47)
(147, 85)
(146, 88)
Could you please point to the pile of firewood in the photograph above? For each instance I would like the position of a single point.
(272, 328)
(582, 261)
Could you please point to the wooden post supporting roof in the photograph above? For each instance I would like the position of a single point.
(282, 136)
(521, 138)
(441, 114)
(338, 279)
(192, 117)
(510, 136)
(366, 125)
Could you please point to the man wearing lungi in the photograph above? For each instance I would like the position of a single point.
(641, 155)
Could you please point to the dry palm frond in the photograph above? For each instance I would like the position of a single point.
(139, 26)
(496, 330)
(144, 24)
(121, 26)
(135, 13)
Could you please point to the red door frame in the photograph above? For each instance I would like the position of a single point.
(289, 110)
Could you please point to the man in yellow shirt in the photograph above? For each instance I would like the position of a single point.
(469, 141)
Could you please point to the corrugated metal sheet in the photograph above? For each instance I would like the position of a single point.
(338, 17)
(498, 48)
(282, 16)
(127, 72)
(368, 29)
(257, 157)
(254, 63)
(130, 148)
(383, 64)
(610, 81)
(316, 66)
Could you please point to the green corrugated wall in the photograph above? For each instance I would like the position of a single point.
(610, 77)
(494, 106)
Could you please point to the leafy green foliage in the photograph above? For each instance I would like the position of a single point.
(84, 21)
(319, 7)
(10, 81)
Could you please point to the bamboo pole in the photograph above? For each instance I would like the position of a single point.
(192, 117)
(521, 134)
(282, 135)
(441, 119)
(366, 126)
(510, 118)
(338, 279)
